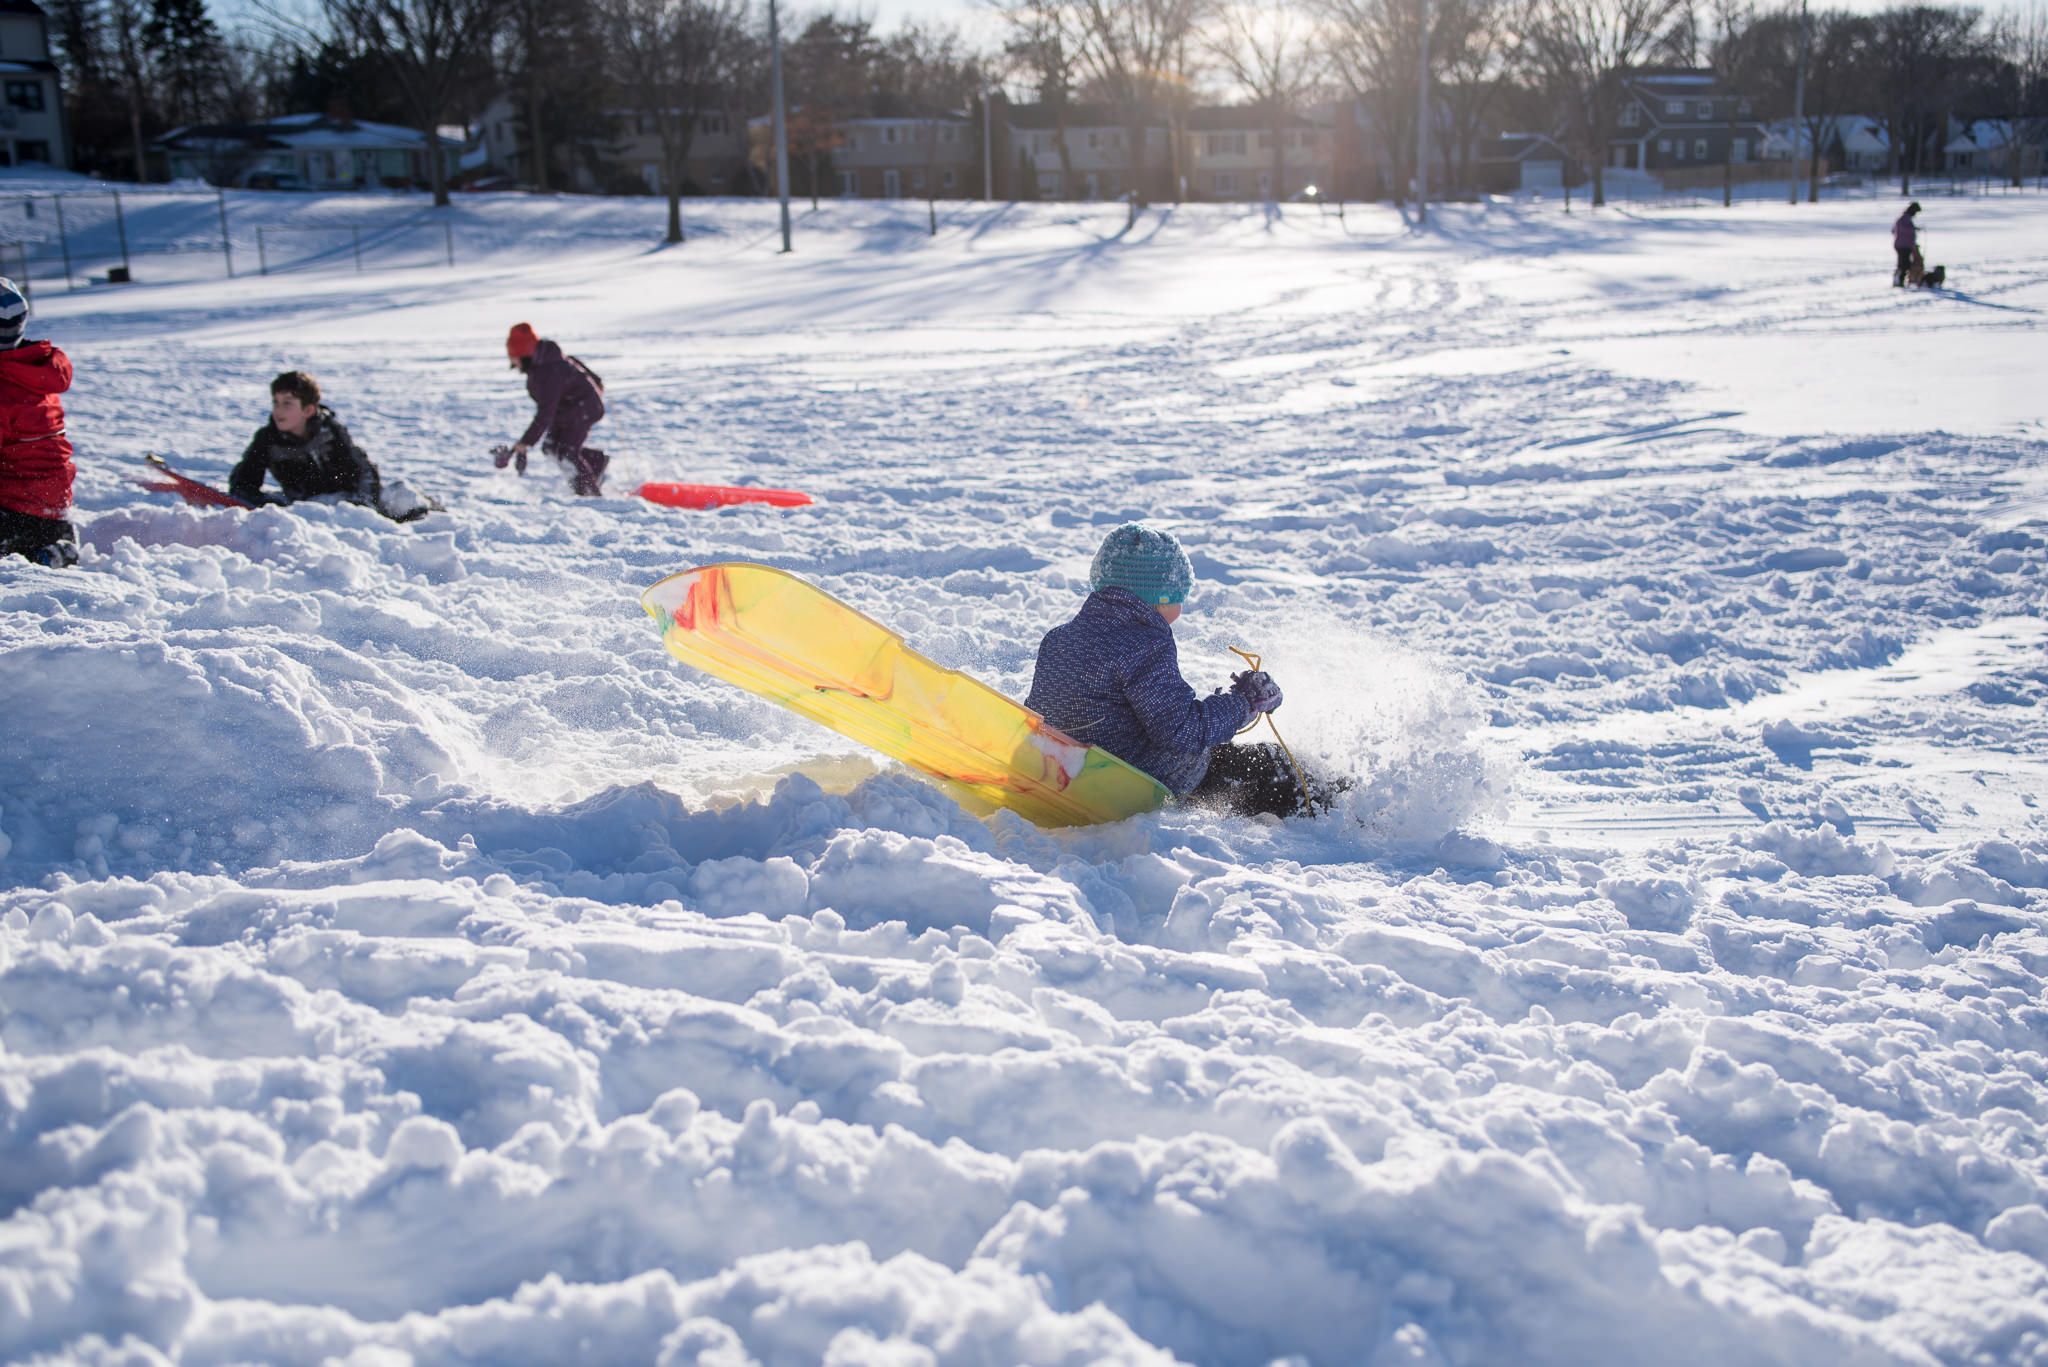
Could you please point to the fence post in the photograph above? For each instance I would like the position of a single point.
(121, 227)
(448, 230)
(356, 231)
(63, 240)
(227, 252)
(262, 261)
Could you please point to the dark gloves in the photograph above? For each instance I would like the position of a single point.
(506, 455)
(1256, 687)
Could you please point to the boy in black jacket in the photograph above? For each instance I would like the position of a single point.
(307, 451)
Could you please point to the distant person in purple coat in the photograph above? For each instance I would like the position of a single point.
(568, 399)
(1111, 677)
(1905, 237)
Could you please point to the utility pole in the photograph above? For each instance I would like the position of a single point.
(1799, 107)
(781, 126)
(1422, 123)
(988, 142)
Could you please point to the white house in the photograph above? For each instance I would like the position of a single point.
(1989, 145)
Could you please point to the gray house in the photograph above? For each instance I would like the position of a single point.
(1681, 118)
(31, 100)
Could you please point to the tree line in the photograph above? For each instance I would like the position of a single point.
(575, 68)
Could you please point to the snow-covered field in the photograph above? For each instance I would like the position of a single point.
(402, 959)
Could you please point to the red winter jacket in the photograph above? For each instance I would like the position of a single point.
(35, 455)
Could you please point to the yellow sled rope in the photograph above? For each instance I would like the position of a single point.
(787, 640)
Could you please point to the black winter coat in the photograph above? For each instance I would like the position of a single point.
(324, 461)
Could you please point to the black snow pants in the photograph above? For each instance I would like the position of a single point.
(1252, 779)
(45, 540)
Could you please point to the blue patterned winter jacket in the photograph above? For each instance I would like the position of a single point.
(1111, 677)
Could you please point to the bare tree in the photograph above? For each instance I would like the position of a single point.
(426, 45)
(1920, 52)
(1131, 50)
(126, 16)
(1583, 50)
(1044, 38)
(1375, 46)
(674, 58)
(2020, 40)
(1476, 47)
(1271, 50)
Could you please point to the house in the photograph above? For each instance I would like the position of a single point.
(934, 157)
(324, 151)
(1680, 118)
(1229, 154)
(628, 159)
(1848, 142)
(32, 110)
(1519, 161)
(1988, 146)
(1098, 160)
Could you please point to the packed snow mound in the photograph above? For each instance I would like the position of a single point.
(403, 959)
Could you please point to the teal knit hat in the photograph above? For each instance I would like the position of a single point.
(1147, 561)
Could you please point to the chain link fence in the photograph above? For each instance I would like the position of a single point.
(61, 240)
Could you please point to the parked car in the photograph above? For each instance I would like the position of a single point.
(274, 180)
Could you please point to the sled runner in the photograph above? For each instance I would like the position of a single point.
(786, 640)
(721, 496)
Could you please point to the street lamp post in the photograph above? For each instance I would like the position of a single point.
(781, 127)
(1799, 110)
(1422, 123)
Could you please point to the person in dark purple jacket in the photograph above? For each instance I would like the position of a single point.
(568, 401)
(1905, 238)
(1111, 677)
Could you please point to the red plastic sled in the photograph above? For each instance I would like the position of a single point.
(721, 496)
(163, 479)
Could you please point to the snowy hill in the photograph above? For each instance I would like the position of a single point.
(403, 959)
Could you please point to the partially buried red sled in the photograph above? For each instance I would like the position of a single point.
(721, 496)
(163, 479)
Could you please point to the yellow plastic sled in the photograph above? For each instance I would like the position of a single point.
(784, 639)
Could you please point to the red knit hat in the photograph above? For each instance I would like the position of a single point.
(521, 342)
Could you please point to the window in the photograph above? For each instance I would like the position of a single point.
(32, 151)
(1226, 144)
(1699, 149)
(1680, 150)
(1742, 108)
(1224, 182)
(650, 176)
(1706, 110)
(1674, 108)
(711, 123)
(1631, 115)
(889, 133)
(1664, 146)
(948, 133)
(849, 184)
(1739, 151)
(892, 184)
(946, 179)
(917, 180)
(644, 125)
(25, 95)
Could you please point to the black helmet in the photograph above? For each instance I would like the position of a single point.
(1914, 207)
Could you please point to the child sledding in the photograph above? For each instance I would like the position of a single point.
(1110, 729)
